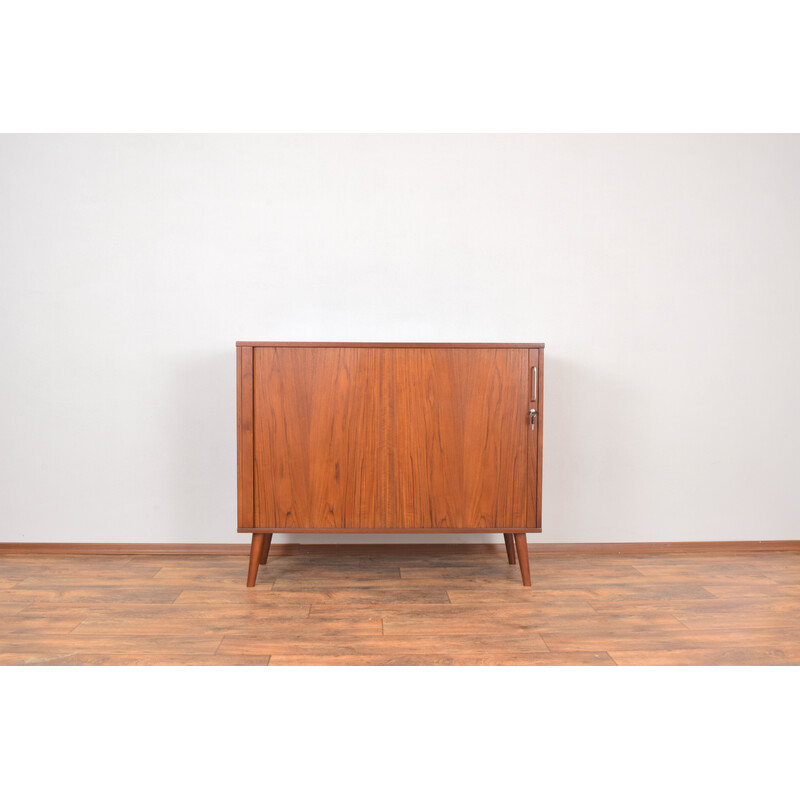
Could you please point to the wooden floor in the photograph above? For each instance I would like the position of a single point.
(401, 605)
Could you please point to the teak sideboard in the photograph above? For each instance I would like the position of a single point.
(339, 437)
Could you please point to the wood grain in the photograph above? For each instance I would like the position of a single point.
(700, 656)
(156, 659)
(374, 439)
(440, 644)
(457, 438)
(532, 659)
(403, 605)
(70, 593)
(53, 645)
(320, 447)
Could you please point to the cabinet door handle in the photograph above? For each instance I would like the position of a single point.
(534, 414)
(535, 384)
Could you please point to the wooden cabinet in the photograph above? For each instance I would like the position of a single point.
(341, 437)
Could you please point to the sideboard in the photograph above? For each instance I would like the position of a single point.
(339, 437)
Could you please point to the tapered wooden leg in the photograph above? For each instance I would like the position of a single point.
(265, 548)
(256, 547)
(521, 540)
(509, 538)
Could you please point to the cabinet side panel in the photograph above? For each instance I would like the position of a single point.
(244, 436)
(535, 441)
(539, 440)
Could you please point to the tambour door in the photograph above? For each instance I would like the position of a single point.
(320, 438)
(459, 446)
(390, 438)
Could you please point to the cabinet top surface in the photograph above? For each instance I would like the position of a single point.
(387, 344)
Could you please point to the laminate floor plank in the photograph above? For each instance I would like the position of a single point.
(144, 611)
(371, 645)
(735, 656)
(710, 577)
(115, 610)
(466, 659)
(91, 594)
(343, 575)
(744, 589)
(240, 596)
(792, 589)
(527, 611)
(68, 644)
(22, 572)
(543, 580)
(366, 581)
(19, 625)
(187, 559)
(740, 620)
(646, 639)
(367, 596)
(107, 584)
(593, 628)
(787, 562)
(131, 660)
(643, 592)
(787, 607)
(226, 606)
(276, 626)
(197, 576)
(488, 598)
(7, 609)
(64, 559)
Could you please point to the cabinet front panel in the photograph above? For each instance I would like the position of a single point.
(459, 443)
(390, 438)
(320, 437)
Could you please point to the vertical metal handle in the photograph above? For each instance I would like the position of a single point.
(535, 384)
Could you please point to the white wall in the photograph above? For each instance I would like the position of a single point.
(663, 273)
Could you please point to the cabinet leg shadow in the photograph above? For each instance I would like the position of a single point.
(509, 540)
(259, 550)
